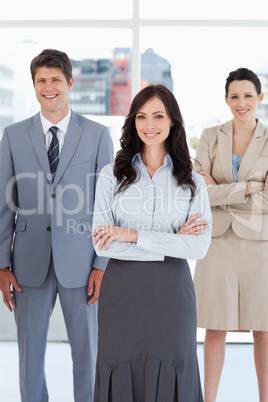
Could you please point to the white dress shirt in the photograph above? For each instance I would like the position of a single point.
(157, 208)
(62, 129)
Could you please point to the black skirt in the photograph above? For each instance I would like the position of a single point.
(147, 333)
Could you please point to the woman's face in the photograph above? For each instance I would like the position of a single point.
(243, 100)
(153, 123)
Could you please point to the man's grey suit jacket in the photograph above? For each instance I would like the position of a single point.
(38, 216)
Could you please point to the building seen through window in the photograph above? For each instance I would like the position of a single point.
(103, 86)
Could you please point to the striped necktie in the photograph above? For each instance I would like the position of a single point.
(53, 151)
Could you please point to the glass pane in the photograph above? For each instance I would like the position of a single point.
(60, 10)
(205, 9)
(101, 68)
(201, 59)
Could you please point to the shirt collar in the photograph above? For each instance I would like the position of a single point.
(62, 125)
(136, 160)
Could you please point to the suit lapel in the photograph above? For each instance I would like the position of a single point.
(38, 141)
(71, 141)
(225, 139)
(253, 151)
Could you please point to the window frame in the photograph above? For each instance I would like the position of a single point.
(135, 24)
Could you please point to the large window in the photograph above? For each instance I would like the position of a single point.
(120, 46)
(201, 58)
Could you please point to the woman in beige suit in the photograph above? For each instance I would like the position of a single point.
(231, 282)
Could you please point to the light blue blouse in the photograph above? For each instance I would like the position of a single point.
(236, 161)
(157, 207)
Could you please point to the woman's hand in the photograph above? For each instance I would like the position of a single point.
(254, 187)
(208, 179)
(107, 234)
(193, 226)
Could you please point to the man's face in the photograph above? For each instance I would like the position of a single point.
(52, 92)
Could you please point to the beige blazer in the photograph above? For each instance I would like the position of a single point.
(248, 215)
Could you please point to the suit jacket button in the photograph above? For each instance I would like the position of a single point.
(49, 228)
(52, 195)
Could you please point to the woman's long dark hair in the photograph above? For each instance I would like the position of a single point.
(176, 144)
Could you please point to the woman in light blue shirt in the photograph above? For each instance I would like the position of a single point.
(147, 214)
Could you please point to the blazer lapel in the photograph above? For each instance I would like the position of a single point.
(253, 151)
(71, 141)
(225, 140)
(38, 141)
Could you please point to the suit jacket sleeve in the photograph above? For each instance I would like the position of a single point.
(8, 202)
(105, 156)
(219, 194)
(255, 203)
(229, 195)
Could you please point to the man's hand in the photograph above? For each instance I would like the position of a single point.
(94, 284)
(6, 280)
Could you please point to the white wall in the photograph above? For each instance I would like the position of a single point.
(57, 331)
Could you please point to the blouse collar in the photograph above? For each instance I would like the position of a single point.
(136, 160)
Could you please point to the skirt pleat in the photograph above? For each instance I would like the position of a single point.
(121, 383)
(167, 383)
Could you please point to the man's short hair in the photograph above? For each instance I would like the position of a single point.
(52, 58)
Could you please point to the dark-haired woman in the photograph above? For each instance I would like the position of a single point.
(145, 203)
(232, 281)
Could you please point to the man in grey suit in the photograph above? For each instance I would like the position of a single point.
(47, 185)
